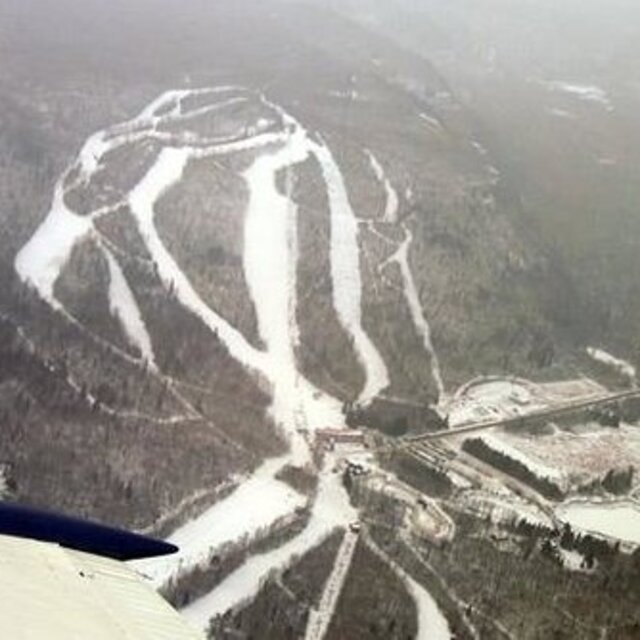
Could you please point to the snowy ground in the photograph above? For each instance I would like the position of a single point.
(620, 366)
(581, 453)
(583, 92)
(492, 399)
(619, 520)
(498, 444)
(331, 509)
(506, 507)
(572, 560)
(123, 306)
(257, 504)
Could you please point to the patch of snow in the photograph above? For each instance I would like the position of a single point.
(124, 307)
(479, 148)
(587, 93)
(572, 560)
(432, 625)
(319, 619)
(491, 399)
(619, 365)
(43, 257)
(171, 97)
(561, 113)
(91, 153)
(619, 520)
(458, 480)
(505, 508)
(331, 509)
(392, 202)
(352, 94)
(4, 486)
(254, 506)
(432, 122)
(536, 467)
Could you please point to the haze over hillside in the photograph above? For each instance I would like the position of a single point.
(342, 298)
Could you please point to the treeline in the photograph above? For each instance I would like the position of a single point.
(617, 482)
(393, 418)
(592, 548)
(421, 475)
(515, 468)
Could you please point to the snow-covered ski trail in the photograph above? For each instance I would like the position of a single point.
(401, 258)
(346, 276)
(432, 625)
(124, 308)
(331, 509)
(392, 202)
(257, 503)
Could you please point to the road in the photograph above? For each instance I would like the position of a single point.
(514, 420)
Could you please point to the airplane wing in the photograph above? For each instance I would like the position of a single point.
(54, 592)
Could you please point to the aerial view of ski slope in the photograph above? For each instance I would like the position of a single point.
(283, 286)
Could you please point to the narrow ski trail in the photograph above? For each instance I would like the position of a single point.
(346, 277)
(420, 322)
(123, 306)
(432, 625)
(392, 203)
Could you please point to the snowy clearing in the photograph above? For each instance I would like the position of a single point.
(41, 260)
(573, 560)
(619, 520)
(583, 453)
